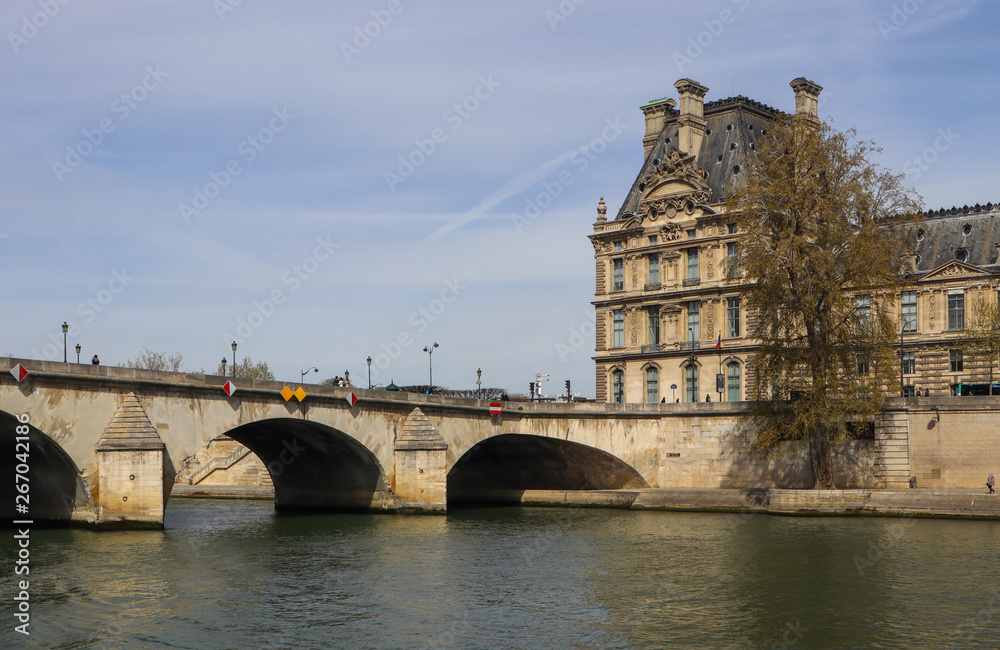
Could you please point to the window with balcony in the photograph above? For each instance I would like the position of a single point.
(654, 325)
(618, 386)
(692, 264)
(654, 269)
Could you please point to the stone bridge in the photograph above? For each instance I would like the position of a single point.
(105, 444)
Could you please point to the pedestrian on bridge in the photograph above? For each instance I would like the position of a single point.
(990, 483)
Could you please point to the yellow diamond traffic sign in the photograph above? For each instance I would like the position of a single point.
(287, 393)
(300, 394)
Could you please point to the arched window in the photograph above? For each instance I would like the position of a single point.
(652, 385)
(618, 386)
(691, 375)
(733, 372)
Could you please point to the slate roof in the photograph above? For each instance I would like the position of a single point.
(733, 125)
(971, 232)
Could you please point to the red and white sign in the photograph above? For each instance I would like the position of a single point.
(494, 408)
(19, 372)
(229, 388)
(352, 399)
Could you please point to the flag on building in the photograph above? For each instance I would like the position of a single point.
(718, 344)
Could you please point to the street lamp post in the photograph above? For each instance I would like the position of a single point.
(369, 360)
(430, 366)
(305, 372)
(65, 327)
(347, 377)
(78, 353)
(223, 366)
(479, 383)
(234, 358)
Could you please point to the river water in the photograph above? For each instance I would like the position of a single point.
(231, 574)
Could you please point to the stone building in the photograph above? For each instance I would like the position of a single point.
(671, 327)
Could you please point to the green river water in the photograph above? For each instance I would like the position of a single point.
(231, 574)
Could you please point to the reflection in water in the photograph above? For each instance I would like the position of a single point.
(231, 574)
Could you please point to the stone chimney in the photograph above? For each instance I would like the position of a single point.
(656, 114)
(806, 98)
(691, 122)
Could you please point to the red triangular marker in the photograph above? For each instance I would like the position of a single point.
(19, 372)
(352, 399)
(229, 388)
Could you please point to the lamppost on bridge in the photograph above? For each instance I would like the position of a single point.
(369, 360)
(305, 372)
(65, 327)
(347, 377)
(223, 366)
(479, 382)
(430, 366)
(234, 358)
(78, 353)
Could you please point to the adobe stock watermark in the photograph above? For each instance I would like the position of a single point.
(923, 161)
(292, 280)
(581, 336)
(580, 158)
(454, 117)
(419, 321)
(121, 107)
(223, 7)
(899, 16)
(248, 150)
(791, 634)
(877, 550)
(365, 34)
(697, 44)
(987, 616)
(32, 25)
(562, 12)
(87, 310)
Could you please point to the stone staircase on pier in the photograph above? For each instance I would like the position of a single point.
(892, 441)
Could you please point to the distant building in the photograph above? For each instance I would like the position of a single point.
(666, 314)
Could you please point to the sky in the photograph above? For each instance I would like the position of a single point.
(323, 182)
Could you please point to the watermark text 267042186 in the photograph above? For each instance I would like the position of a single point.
(22, 532)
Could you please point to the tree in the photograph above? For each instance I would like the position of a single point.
(247, 368)
(149, 360)
(823, 229)
(981, 338)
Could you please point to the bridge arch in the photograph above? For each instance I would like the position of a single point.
(55, 484)
(314, 466)
(499, 469)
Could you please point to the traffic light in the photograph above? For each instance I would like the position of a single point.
(569, 395)
(531, 387)
(567, 386)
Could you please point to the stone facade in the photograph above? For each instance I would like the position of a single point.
(662, 299)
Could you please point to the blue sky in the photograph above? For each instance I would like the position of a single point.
(177, 174)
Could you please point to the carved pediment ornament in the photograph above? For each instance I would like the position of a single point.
(601, 247)
(670, 232)
(671, 205)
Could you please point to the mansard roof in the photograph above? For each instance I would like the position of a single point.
(966, 234)
(733, 126)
